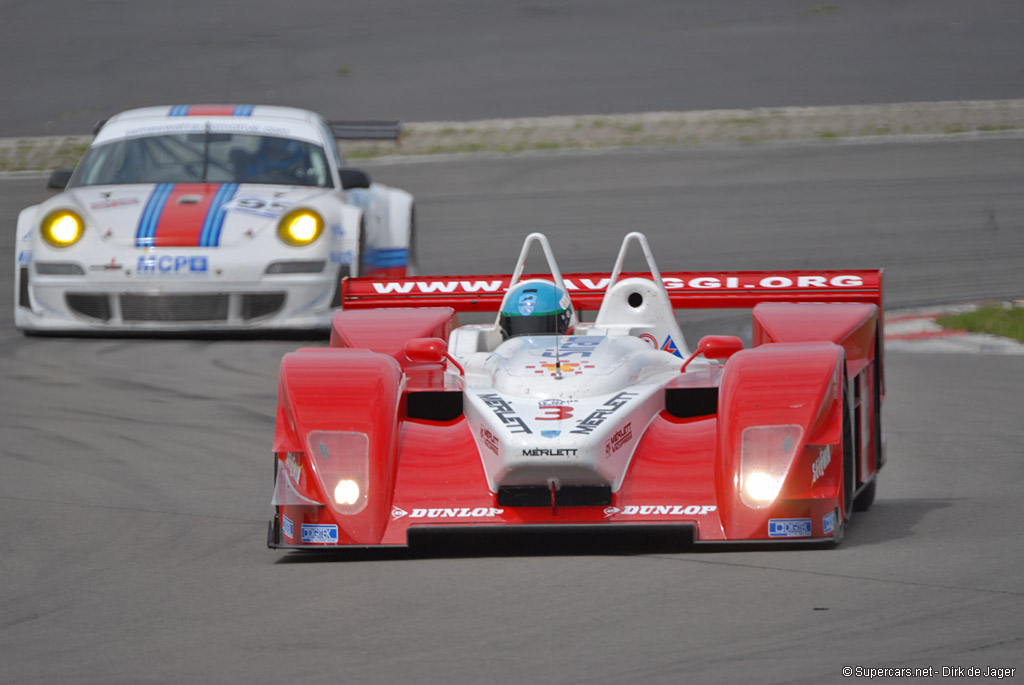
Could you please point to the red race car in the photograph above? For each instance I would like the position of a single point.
(410, 422)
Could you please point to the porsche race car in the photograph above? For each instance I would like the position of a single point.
(410, 422)
(208, 217)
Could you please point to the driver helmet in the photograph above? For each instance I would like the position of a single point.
(536, 308)
(280, 153)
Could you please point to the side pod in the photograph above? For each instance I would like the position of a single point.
(336, 442)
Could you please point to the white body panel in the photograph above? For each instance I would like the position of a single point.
(571, 415)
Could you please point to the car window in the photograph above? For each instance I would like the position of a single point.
(204, 157)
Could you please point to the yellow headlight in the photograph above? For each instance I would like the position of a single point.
(300, 227)
(62, 228)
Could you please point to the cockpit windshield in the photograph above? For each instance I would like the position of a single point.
(205, 157)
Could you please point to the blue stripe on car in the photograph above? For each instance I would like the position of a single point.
(144, 234)
(392, 256)
(214, 221)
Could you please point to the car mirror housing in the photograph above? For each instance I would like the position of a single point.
(59, 179)
(354, 178)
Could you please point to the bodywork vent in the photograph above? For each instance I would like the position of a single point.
(566, 496)
(93, 306)
(23, 298)
(434, 406)
(689, 403)
(262, 304)
(172, 308)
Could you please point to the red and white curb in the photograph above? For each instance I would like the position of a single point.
(915, 330)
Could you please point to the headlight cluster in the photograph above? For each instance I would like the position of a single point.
(62, 228)
(300, 227)
(766, 453)
(342, 464)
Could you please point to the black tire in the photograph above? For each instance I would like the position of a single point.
(849, 458)
(360, 261)
(865, 498)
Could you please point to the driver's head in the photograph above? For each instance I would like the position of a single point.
(536, 308)
(280, 149)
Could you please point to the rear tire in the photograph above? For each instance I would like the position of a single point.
(360, 260)
(849, 458)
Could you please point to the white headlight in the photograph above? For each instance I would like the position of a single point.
(761, 487)
(346, 492)
(766, 454)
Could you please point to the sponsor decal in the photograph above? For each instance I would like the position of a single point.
(828, 523)
(269, 207)
(456, 513)
(583, 345)
(619, 439)
(504, 411)
(337, 230)
(293, 467)
(599, 415)
(110, 203)
(112, 265)
(343, 257)
(397, 513)
(649, 339)
(287, 527)
(527, 302)
(550, 434)
(670, 346)
(319, 534)
(489, 439)
(438, 287)
(184, 215)
(557, 368)
(554, 412)
(24, 257)
(789, 528)
(544, 452)
(172, 264)
(821, 463)
(661, 510)
(705, 282)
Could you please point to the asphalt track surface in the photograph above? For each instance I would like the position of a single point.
(64, 64)
(136, 473)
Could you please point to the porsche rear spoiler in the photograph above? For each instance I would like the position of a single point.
(686, 289)
(368, 129)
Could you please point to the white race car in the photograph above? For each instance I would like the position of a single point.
(216, 217)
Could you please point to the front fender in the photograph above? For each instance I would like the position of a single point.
(339, 393)
(785, 400)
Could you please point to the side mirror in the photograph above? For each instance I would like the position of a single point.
(354, 178)
(59, 179)
(715, 347)
(719, 346)
(426, 350)
(430, 351)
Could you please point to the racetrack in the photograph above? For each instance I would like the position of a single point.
(136, 473)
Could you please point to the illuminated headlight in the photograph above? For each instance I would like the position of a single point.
(62, 228)
(300, 227)
(346, 492)
(766, 453)
(342, 463)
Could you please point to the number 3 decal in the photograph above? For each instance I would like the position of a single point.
(556, 413)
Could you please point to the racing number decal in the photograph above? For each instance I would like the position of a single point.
(555, 413)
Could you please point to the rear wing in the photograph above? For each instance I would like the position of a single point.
(368, 129)
(686, 289)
